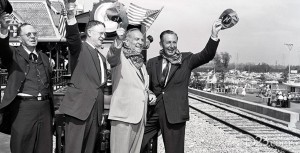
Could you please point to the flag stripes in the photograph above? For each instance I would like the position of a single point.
(138, 15)
(62, 26)
(151, 18)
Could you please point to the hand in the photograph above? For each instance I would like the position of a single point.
(152, 99)
(71, 10)
(4, 21)
(217, 25)
(121, 33)
(147, 44)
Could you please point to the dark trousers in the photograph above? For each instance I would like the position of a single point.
(80, 136)
(173, 134)
(31, 130)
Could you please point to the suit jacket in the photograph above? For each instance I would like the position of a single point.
(130, 93)
(175, 94)
(85, 82)
(17, 62)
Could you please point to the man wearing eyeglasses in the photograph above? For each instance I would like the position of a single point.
(83, 102)
(26, 111)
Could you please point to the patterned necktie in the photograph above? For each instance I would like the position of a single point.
(164, 74)
(32, 57)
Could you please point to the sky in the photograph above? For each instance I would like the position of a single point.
(265, 26)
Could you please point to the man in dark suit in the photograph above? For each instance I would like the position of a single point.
(27, 106)
(169, 75)
(84, 100)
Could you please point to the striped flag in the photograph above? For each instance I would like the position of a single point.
(138, 15)
(62, 26)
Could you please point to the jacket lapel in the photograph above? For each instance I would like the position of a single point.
(173, 69)
(138, 73)
(95, 58)
(159, 68)
(23, 53)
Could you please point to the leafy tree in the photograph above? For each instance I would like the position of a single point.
(221, 61)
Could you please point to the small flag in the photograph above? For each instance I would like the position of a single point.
(138, 15)
(62, 26)
(290, 46)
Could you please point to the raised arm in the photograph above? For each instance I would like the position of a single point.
(209, 52)
(5, 51)
(114, 52)
(72, 32)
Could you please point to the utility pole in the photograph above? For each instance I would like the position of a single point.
(290, 47)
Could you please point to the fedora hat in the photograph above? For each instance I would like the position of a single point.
(5, 6)
(229, 18)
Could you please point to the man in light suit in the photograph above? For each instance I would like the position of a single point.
(84, 100)
(169, 78)
(130, 92)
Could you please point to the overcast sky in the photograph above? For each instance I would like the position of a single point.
(264, 27)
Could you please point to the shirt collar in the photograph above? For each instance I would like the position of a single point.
(28, 51)
(91, 45)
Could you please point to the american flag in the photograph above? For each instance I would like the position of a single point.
(62, 19)
(62, 25)
(138, 15)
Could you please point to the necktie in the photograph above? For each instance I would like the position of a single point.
(142, 76)
(164, 74)
(32, 57)
(104, 69)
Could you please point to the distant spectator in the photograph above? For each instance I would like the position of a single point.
(226, 89)
(285, 99)
(244, 91)
(280, 98)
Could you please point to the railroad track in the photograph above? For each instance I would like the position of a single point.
(244, 125)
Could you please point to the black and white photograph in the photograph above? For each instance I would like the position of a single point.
(149, 76)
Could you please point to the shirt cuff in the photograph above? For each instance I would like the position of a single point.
(2, 36)
(71, 21)
(213, 38)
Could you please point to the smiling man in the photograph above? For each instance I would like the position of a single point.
(83, 102)
(130, 92)
(27, 106)
(169, 78)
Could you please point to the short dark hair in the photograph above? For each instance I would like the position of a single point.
(167, 32)
(21, 26)
(93, 23)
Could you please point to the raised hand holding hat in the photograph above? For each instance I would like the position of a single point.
(229, 19)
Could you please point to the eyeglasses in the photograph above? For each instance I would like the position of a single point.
(35, 34)
(100, 33)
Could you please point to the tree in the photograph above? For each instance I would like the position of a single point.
(221, 61)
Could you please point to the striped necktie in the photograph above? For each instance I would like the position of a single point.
(164, 74)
